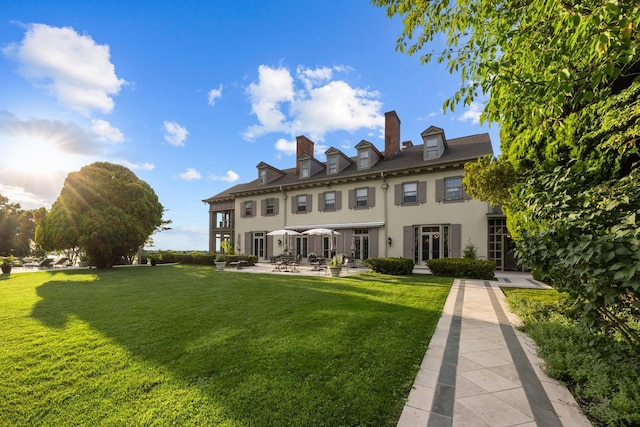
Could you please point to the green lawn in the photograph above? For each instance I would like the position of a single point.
(186, 345)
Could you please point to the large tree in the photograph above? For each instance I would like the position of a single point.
(16, 228)
(105, 210)
(563, 80)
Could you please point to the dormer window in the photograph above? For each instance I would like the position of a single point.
(435, 143)
(305, 168)
(363, 160)
(432, 149)
(332, 164)
(262, 176)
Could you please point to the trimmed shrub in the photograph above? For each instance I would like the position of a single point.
(463, 268)
(394, 266)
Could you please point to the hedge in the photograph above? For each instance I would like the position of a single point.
(395, 266)
(195, 258)
(463, 268)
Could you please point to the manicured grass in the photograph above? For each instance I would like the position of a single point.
(185, 345)
(603, 377)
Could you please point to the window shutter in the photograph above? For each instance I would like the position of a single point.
(242, 204)
(439, 190)
(247, 243)
(456, 240)
(321, 205)
(422, 192)
(407, 242)
(398, 194)
(371, 197)
(294, 204)
(373, 243)
(352, 199)
(276, 206)
(254, 206)
(263, 207)
(309, 202)
(338, 200)
(270, 246)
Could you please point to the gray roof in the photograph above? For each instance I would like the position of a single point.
(459, 151)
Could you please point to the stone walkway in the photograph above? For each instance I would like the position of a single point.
(480, 371)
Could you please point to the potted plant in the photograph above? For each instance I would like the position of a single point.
(335, 265)
(6, 263)
(221, 262)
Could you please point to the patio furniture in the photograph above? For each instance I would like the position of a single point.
(61, 263)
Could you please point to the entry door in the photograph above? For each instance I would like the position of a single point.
(361, 245)
(430, 243)
(259, 245)
(302, 246)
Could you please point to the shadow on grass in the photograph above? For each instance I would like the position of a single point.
(270, 350)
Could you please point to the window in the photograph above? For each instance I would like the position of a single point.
(361, 197)
(453, 188)
(363, 160)
(332, 164)
(330, 200)
(433, 149)
(248, 208)
(410, 192)
(262, 176)
(305, 166)
(302, 203)
(270, 207)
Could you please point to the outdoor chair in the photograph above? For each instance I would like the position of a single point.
(61, 263)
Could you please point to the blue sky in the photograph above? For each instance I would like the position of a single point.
(192, 95)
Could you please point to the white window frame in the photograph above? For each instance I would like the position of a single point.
(363, 159)
(305, 169)
(301, 203)
(248, 208)
(453, 188)
(410, 195)
(330, 200)
(332, 164)
(432, 149)
(362, 197)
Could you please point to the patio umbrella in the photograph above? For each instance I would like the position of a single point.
(321, 232)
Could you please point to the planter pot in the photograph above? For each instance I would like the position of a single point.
(335, 271)
(6, 269)
(220, 265)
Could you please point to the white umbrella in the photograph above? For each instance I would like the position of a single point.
(283, 232)
(318, 231)
(323, 231)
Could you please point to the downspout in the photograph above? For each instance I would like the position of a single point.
(385, 187)
(284, 197)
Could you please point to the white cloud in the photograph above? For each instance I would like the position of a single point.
(175, 134)
(313, 104)
(472, 114)
(27, 199)
(105, 131)
(285, 146)
(215, 94)
(190, 175)
(72, 67)
(231, 176)
(136, 166)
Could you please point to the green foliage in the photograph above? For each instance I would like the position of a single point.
(600, 371)
(470, 251)
(17, 228)
(462, 268)
(585, 240)
(105, 210)
(489, 179)
(197, 258)
(393, 266)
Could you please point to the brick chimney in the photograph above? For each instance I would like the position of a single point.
(303, 146)
(391, 134)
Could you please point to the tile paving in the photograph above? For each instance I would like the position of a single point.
(480, 371)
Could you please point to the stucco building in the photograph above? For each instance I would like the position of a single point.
(400, 200)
